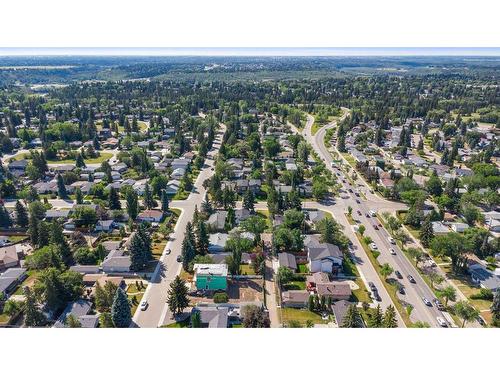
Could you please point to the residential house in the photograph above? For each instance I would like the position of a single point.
(116, 262)
(80, 310)
(295, 298)
(323, 257)
(217, 220)
(151, 216)
(484, 278)
(217, 242)
(104, 226)
(334, 289)
(210, 276)
(287, 260)
(213, 316)
(8, 257)
(10, 279)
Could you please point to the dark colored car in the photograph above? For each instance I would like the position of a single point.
(398, 274)
(411, 279)
(179, 258)
(375, 227)
(402, 290)
(367, 215)
(372, 285)
(357, 201)
(438, 304)
(359, 213)
(376, 296)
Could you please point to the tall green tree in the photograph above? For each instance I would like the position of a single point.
(132, 204)
(376, 318)
(120, 310)
(390, 320)
(352, 318)
(22, 218)
(465, 311)
(249, 200)
(33, 316)
(426, 232)
(177, 299)
(164, 201)
(61, 187)
(114, 199)
(495, 309)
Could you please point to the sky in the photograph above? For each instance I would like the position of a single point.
(250, 51)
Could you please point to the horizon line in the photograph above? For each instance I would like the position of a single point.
(253, 51)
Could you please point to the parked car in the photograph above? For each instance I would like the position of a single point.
(411, 279)
(357, 201)
(427, 302)
(442, 322)
(168, 251)
(392, 251)
(375, 226)
(372, 285)
(402, 290)
(376, 296)
(391, 240)
(481, 321)
(438, 304)
(367, 215)
(359, 213)
(398, 274)
(144, 305)
(179, 258)
(373, 246)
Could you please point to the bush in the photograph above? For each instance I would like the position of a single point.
(485, 294)
(221, 297)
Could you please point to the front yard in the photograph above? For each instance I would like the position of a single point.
(301, 316)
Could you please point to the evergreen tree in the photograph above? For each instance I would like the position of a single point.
(61, 188)
(149, 201)
(495, 309)
(138, 253)
(79, 162)
(78, 196)
(114, 199)
(177, 299)
(230, 220)
(248, 200)
(426, 232)
(352, 319)
(195, 319)
(390, 320)
(22, 218)
(376, 319)
(120, 310)
(33, 316)
(57, 238)
(132, 204)
(33, 230)
(5, 221)
(43, 234)
(202, 238)
(188, 253)
(164, 201)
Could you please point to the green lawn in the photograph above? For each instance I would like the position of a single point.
(134, 304)
(182, 324)
(246, 269)
(301, 316)
(303, 268)
(4, 319)
(98, 160)
(295, 285)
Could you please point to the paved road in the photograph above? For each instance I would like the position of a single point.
(157, 313)
(414, 292)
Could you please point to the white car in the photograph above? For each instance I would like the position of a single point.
(427, 302)
(373, 246)
(392, 251)
(442, 322)
(144, 305)
(391, 240)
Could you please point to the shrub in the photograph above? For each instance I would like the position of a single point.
(485, 294)
(221, 297)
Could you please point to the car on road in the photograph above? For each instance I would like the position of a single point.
(442, 322)
(356, 194)
(391, 240)
(168, 251)
(367, 215)
(350, 190)
(144, 305)
(373, 246)
(357, 201)
(438, 304)
(411, 279)
(375, 226)
(372, 285)
(359, 213)
(376, 296)
(392, 251)
(398, 274)
(179, 258)
(212, 168)
(427, 302)
(402, 290)
(481, 321)
(372, 213)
